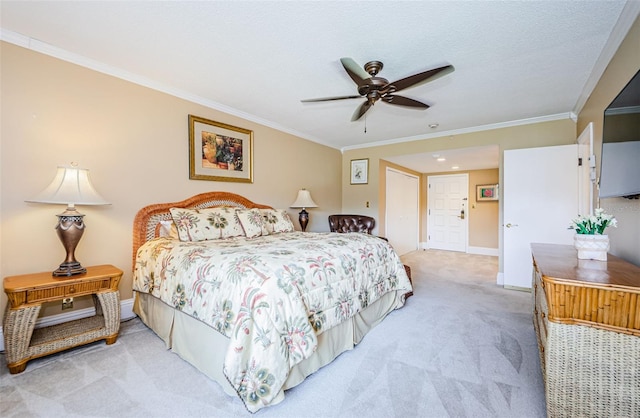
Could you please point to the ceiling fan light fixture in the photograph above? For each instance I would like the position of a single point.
(374, 88)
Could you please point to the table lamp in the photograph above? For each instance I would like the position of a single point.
(71, 186)
(304, 201)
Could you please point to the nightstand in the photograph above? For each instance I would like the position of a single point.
(26, 294)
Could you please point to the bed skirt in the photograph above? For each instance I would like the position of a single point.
(193, 340)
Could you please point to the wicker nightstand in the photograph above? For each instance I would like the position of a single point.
(27, 293)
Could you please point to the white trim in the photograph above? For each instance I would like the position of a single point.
(500, 278)
(518, 288)
(417, 191)
(47, 49)
(126, 312)
(494, 252)
(548, 118)
(53, 51)
(622, 110)
(465, 203)
(628, 16)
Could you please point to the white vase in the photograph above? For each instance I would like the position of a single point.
(592, 247)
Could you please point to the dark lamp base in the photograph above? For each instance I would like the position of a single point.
(304, 219)
(70, 229)
(69, 269)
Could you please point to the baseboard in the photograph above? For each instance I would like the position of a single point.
(495, 252)
(519, 288)
(126, 312)
(500, 278)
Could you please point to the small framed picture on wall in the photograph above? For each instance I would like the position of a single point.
(486, 192)
(360, 171)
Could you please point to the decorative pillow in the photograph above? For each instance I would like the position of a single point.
(168, 229)
(252, 222)
(206, 224)
(277, 220)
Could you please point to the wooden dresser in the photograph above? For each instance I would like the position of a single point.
(587, 320)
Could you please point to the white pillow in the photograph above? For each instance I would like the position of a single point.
(206, 224)
(252, 222)
(168, 229)
(277, 220)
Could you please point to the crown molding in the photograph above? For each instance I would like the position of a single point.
(630, 12)
(529, 121)
(48, 49)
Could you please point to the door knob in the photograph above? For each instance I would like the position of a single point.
(509, 225)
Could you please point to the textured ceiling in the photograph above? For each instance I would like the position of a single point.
(513, 60)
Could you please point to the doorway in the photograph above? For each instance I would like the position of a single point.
(540, 199)
(447, 212)
(402, 211)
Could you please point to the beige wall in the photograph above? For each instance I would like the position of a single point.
(134, 141)
(483, 216)
(625, 240)
(556, 132)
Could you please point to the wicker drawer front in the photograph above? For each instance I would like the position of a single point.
(72, 290)
(541, 316)
(540, 312)
(608, 308)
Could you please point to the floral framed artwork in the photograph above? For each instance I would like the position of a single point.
(360, 171)
(219, 152)
(486, 192)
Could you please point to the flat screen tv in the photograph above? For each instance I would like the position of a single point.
(620, 167)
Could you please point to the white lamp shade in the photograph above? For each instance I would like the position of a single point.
(70, 186)
(304, 200)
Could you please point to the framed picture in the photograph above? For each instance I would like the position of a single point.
(219, 152)
(485, 192)
(360, 171)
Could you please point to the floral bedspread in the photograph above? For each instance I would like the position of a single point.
(271, 295)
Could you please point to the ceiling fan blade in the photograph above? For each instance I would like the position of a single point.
(361, 110)
(420, 78)
(403, 101)
(356, 72)
(326, 99)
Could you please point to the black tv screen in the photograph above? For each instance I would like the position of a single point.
(620, 167)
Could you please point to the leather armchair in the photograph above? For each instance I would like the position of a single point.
(351, 223)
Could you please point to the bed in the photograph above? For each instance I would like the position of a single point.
(233, 289)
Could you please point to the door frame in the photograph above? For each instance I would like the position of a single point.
(417, 193)
(516, 252)
(467, 211)
(587, 174)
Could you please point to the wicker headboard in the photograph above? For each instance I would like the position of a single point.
(146, 224)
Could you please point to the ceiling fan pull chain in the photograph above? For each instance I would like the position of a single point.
(365, 124)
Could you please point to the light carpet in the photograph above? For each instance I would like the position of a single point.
(461, 347)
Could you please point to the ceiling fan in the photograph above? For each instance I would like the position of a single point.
(375, 88)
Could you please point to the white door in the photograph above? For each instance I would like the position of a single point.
(587, 171)
(540, 199)
(447, 212)
(401, 222)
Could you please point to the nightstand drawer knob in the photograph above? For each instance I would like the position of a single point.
(72, 290)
